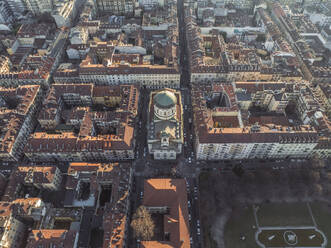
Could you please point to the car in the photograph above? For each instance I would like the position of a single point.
(141, 195)
(195, 198)
(191, 240)
(198, 231)
(189, 204)
(198, 223)
(189, 217)
(275, 168)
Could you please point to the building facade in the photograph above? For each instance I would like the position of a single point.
(19, 106)
(115, 7)
(100, 121)
(228, 128)
(165, 124)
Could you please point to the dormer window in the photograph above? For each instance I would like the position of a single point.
(165, 141)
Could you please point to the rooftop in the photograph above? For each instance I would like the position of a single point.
(172, 194)
(165, 99)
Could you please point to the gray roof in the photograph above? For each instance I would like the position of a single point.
(165, 99)
(243, 96)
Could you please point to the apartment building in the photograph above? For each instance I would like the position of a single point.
(98, 125)
(323, 93)
(38, 7)
(33, 55)
(41, 177)
(165, 124)
(52, 238)
(228, 128)
(17, 7)
(13, 215)
(13, 229)
(211, 58)
(108, 64)
(109, 187)
(64, 12)
(17, 121)
(6, 14)
(115, 7)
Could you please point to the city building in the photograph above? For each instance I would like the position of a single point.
(326, 34)
(247, 120)
(323, 148)
(52, 238)
(17, 119)
(64, 12)
(83, 122)
(17, 7)
(151, 4)
(5, 64)
(13, 229)
(33, 54)
(168, 198)
(118, 65)
(41, 177)
(37, 7)
(6, 14)
(142, 50)
(115, 7)
(13, 215)
(211, 57)
(89, 11)
(78, 35)
(106, 187)
(315, 66)
(165, 124)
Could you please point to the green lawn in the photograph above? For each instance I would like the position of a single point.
(240, 224)
(322, 214)
(305, 238)
(284, 214)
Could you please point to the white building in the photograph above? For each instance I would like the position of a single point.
(149, 4)
(17, 7)
(64, 13)
(154, 77)
(165, 124)
(227, 130)
(39, 6)
(6, 15)
(78, 35)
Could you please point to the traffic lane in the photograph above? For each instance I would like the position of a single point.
(193, 205)
(255, 164)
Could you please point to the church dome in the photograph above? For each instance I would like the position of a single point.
(165, 99)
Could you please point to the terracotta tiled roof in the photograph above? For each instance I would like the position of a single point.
(170, 193)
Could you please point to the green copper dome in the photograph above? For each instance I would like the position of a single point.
(165, 99)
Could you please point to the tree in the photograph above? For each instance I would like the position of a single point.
(317, 162)
(260, 38)
(142, 224)
(224, 34)
(45, 18)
